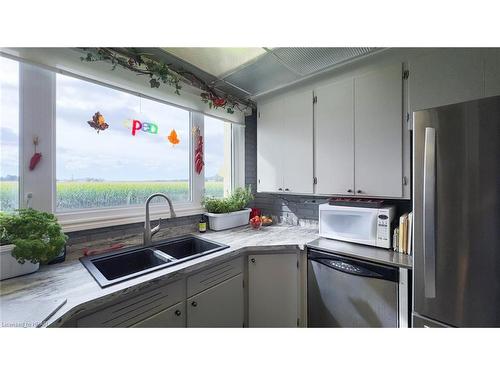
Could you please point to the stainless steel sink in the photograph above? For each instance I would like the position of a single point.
(111, 268)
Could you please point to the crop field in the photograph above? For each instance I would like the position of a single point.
(8, 195)
(80, 194)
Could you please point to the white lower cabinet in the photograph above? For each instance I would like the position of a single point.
(273, 290)
(213, 297)
(173, 317)
(218, 306)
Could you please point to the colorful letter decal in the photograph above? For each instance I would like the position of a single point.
(136, 125)
(151, 128)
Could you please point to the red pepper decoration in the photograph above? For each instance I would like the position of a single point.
(198, 151)
(36, 156)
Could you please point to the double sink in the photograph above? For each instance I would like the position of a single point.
(112, 268)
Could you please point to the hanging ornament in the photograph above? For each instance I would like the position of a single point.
(198, 151)
(98, 122)
(172, 138)
(37, 156)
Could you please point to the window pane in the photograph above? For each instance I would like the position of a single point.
(217, 157)
(9, 134)
(125, 163)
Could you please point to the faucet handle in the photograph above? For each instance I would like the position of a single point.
(157, 228)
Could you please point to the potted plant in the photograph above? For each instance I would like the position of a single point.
(28, 235)
(228, 212)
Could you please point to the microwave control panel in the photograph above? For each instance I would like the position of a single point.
(384, 228)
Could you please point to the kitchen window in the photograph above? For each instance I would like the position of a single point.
(9, 134)
(143, 150)
(92, 178)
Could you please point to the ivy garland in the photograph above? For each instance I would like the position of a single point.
(159, 72)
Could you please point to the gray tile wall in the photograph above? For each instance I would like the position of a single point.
(118, 232)
(251, 151)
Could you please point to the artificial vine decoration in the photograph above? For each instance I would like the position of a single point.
(159, 72)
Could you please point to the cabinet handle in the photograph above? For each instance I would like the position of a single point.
(360, 192)
(252, 260)
(178, 312)
(194, 303)
(287, 189)
(349, 190)
(280, 189)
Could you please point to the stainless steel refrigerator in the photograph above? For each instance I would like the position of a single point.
(456, 205)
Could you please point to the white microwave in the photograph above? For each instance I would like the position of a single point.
(368, 226)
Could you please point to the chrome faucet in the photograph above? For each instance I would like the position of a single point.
(148, 232)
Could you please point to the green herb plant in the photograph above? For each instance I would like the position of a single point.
(36, 236)
(237, 201)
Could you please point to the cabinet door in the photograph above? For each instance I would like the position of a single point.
(173, 317)
(218, 306)
(296, 143)
(378, 142)
(273, 290)
(334, 138)
(269, 128)
(445, 76)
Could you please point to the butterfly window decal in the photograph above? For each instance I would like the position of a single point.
(98, 122)
(173, 139)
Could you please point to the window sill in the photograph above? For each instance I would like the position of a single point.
(92, 219)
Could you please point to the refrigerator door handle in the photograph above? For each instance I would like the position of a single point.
(429, 219)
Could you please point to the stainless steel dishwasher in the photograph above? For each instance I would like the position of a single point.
(347, 292)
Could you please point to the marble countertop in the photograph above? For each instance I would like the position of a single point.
(70, 280)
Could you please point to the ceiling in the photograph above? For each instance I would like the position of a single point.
(247, 73)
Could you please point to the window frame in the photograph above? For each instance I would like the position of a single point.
(39, 117)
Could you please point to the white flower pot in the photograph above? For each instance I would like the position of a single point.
(229, 220)
(10, 267)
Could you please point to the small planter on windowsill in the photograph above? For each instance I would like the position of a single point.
(10, 267)
(228, 220)
(229, 212)
(28, 238)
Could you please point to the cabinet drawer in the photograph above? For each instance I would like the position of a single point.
(137, 308)
(213, 276)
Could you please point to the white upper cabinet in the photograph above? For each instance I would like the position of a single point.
(285, 145)
(269, 132)
(378, 142)
(492, 72)
(296, 143)
(334, 138)
(446, 76)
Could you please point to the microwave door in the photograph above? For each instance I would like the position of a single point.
(352, 225)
